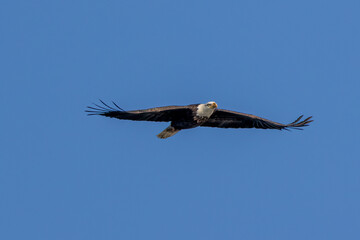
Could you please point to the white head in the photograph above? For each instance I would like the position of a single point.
(206, 109)
(211, 105)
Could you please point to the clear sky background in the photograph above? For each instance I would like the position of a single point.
(64, 175)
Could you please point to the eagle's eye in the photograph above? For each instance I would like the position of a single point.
(209, 105)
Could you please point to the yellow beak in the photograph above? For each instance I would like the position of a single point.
(214, 105)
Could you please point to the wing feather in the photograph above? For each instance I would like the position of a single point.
(230, 119)
(158, 114)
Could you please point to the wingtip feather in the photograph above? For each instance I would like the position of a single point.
(102, 110)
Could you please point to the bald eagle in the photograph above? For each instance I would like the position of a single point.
(194, 115)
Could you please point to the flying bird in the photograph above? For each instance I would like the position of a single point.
(194, 115)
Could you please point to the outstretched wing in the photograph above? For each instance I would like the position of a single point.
(229, 119)
(159, 114)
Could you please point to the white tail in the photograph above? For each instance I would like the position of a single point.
(168, 132)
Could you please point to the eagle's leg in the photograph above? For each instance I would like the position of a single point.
(168, 132)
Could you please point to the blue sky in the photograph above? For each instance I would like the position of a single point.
(64, 175)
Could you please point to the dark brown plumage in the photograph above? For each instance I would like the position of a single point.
(158, 114)
(229, 119)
